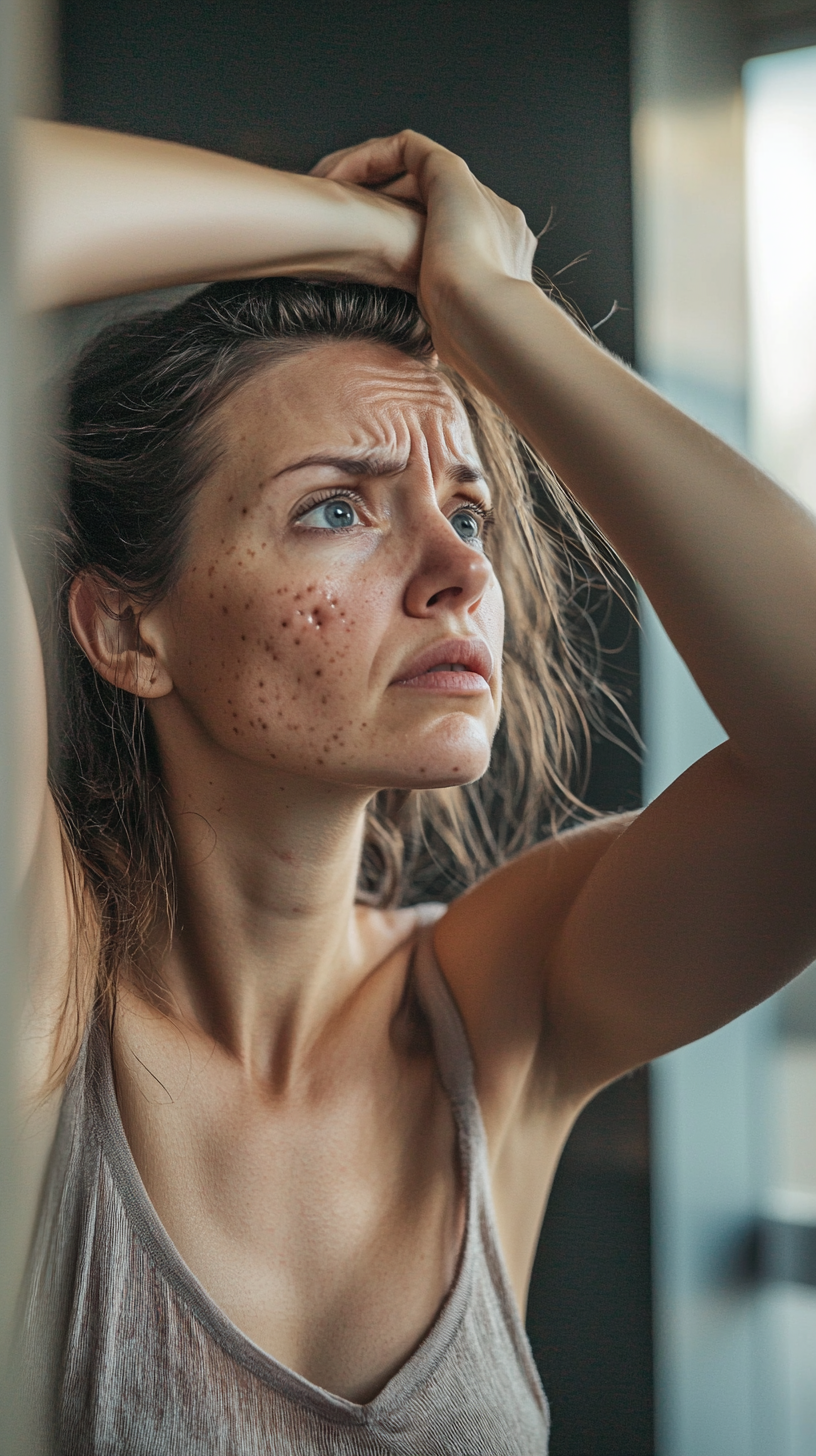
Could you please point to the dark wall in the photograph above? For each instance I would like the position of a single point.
(535, 94)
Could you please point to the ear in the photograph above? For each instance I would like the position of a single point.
(109, 629)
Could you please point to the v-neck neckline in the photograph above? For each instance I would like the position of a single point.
(170, 1265)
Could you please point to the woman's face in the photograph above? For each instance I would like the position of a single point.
(338, 617)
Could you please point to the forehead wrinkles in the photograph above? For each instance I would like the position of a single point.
(400, 391)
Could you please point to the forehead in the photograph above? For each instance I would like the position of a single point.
(347, 392)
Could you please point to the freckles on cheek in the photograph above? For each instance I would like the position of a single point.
(310, 642)
(284, 666)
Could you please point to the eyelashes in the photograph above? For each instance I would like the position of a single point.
(329, 494)
(485, 514)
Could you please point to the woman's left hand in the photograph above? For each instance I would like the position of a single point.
(472, 237)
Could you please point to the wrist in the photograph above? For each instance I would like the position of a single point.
(466, 309)
(368, 236)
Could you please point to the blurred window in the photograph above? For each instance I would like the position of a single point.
(780, 94)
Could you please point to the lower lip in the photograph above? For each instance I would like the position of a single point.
(446, 682)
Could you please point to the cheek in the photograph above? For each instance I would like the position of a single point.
(282, 670)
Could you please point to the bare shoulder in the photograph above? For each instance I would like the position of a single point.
(495, 942)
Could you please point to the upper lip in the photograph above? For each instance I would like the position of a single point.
(471, 652)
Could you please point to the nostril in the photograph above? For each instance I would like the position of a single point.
(448, 591)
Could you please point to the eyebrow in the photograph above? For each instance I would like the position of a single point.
(377, 464)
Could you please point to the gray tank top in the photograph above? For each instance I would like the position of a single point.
(127, 1355)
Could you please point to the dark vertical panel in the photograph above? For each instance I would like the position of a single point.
(535, 94)
(590, 1295)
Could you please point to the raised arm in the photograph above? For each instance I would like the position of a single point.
(620, 942)
(102, 214)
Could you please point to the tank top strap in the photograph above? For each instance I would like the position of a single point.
(454, 1058)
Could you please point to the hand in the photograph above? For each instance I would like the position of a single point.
(472, 237)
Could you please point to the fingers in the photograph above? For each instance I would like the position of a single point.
(371, 163)
(402, 189)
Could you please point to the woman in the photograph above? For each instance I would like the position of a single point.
(306, 1141)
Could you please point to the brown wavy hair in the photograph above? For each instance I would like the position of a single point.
(138, 445)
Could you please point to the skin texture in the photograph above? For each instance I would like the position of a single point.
(287, 1118)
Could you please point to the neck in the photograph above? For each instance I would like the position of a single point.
(268, 944)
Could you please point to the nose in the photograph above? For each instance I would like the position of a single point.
(450, 575)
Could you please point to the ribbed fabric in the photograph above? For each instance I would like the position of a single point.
(126, 1354)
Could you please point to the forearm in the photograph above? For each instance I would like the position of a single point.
(103, 214)
(727, 558)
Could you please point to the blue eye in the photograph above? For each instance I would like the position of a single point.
(467, 525)
(332, 515)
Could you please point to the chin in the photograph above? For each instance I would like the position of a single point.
(448, 771)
